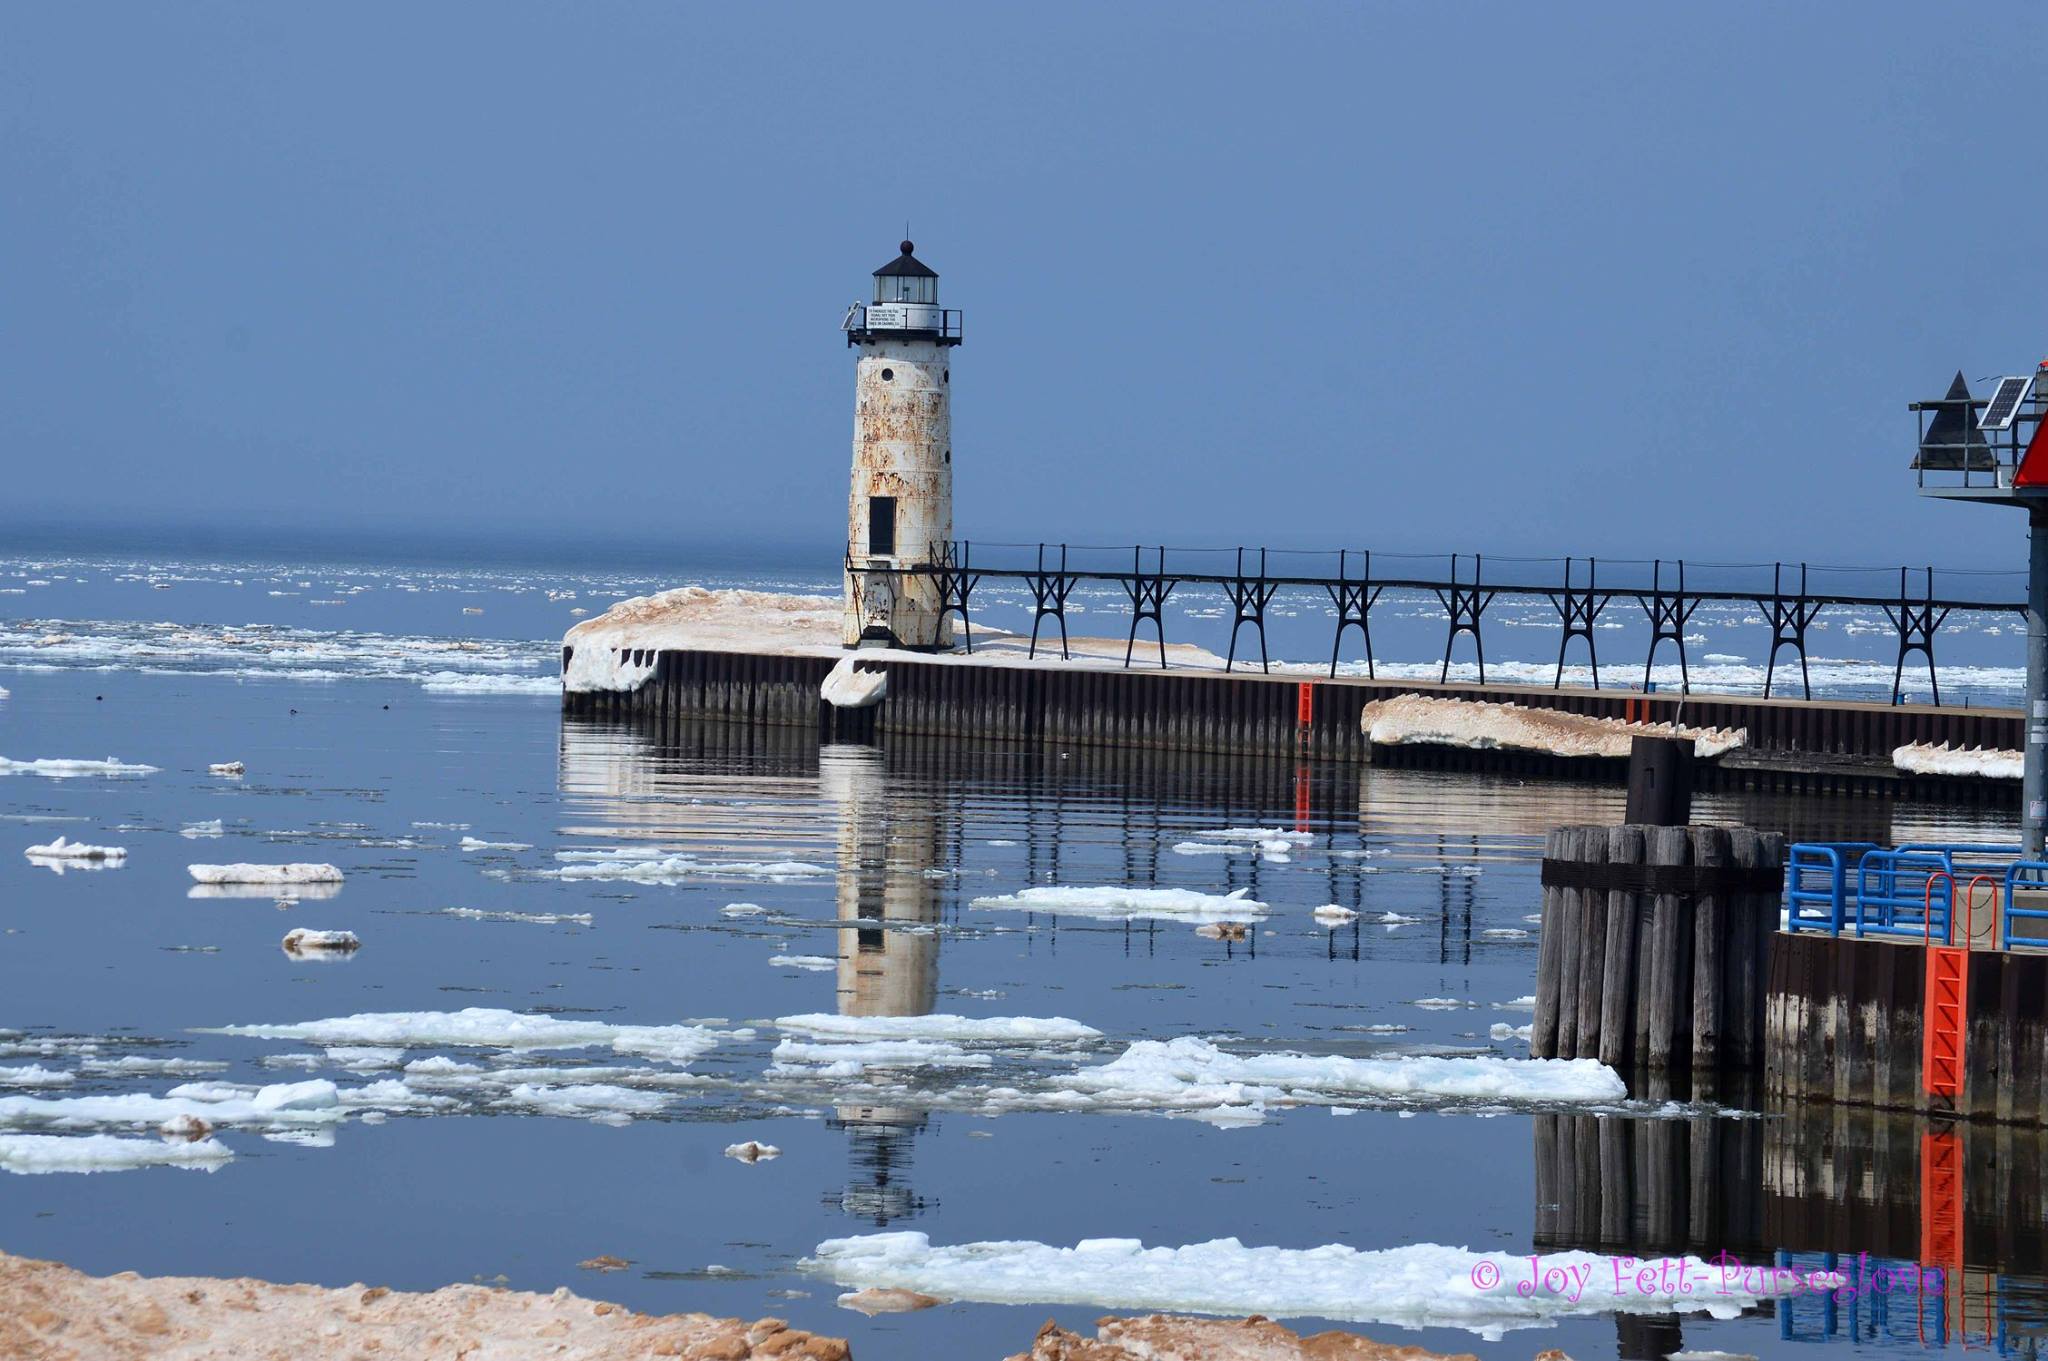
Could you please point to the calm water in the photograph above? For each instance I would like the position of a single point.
(375, 772)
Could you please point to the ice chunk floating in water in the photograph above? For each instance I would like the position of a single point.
(35, 1075)
(265, 874)
(302, 941)
(33, 1153)
(1193, 1074)
(486, 1027)
(58, 768)
(982, 1030)
(1422, 1286)
(60, 849)
(217, 1104)
(1120, 904)
(465, 683)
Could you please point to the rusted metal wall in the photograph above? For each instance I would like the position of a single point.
(902, 447)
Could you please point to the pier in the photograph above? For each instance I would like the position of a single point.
(1792, 745)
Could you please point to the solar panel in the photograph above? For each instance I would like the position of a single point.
(2005, 405)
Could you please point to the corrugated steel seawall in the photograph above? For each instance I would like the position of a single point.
(1794, 745)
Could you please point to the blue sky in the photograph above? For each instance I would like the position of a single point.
(1625, 279)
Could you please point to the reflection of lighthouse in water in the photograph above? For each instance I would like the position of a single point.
(886, 845)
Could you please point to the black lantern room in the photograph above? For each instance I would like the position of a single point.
(906, 279)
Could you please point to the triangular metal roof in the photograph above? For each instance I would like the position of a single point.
(1953, 442)
(908, 265)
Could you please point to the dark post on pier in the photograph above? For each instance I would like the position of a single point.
(1660, 781)
(1654, 945)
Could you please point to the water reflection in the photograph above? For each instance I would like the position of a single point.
(889, 850)
(1938, 1228)
(913, 830)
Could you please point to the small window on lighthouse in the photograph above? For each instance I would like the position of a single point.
(888, 375)
(882, 526)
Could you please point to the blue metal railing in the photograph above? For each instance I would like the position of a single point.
(1907, 891)
(1883, 1302)
(1817, 883)
(2022, 875)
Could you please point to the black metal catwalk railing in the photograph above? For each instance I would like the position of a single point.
(1579, 590)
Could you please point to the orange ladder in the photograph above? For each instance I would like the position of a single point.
(1946, 1005)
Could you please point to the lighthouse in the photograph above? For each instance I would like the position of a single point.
(899, 513)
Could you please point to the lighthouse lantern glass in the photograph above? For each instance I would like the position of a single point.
(906, 288)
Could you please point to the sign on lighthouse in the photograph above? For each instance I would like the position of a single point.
(899, 514)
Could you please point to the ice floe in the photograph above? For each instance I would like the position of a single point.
(471, 683)
(753, 1151)
(61, 849)
(227, 768)
(217, 1103)
(487, 1027)
(814, 963)
(1125, 904)
(1423, 1285)
(598, 1101)
(300, 873)
(209, 828)
(1330, 914)
(59, 768)
(1192, 1074)
(852, 1057)
(36, 1153)
(35, 1075)
(648, 865)
(971, 1030)
(304, 941)
(472, 843)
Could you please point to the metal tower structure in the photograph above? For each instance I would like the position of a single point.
(1994, 450)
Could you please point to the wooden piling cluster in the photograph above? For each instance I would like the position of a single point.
(1794, 745)
(1655, 942)
(1844, 1023)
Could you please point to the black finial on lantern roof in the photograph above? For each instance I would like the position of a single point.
(907, 266)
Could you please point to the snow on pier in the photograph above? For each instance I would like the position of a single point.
(616, 651)
(1408, 720)
(1925, 758)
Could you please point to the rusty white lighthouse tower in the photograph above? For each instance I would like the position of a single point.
(899, 516)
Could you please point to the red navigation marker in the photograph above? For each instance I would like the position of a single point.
(2033, 469)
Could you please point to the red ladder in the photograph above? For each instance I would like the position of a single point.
(1946, 1006)
(1941, 1218)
